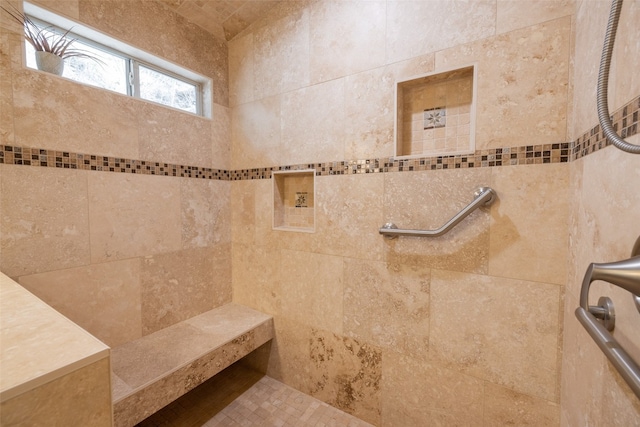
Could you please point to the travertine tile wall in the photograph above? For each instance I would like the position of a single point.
(455, 330)
(121, 254)
(605, 201)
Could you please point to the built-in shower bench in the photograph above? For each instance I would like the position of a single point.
(152, 371)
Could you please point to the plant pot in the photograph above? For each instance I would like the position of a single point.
(49, 62)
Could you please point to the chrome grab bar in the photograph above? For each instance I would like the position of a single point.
(599, 320)
(484, 196)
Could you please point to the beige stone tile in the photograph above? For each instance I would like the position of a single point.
(221, 138)
(256, 277)
(427, 200)
(415, 28)
(418, 393)
(205, 212)
(387, 305)
(243, 212)
(506, 407)
(525, 68)
(281, 55)
(104, 299)
(313, 124)
(255, 134)
(513, 14)
(82, 397)
(312, 289)
(170, 136)
(345, 38)
(55, 113)
(517, 348)
(241, 70)
(65, 7)
(133, 215)
(176, 286)
(626, 83)
(620, 406)
(44, 219)
(529, 223)
(8, 51)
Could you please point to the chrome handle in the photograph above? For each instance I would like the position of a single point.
(484, 196)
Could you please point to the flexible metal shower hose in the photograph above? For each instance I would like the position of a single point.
(603, 82)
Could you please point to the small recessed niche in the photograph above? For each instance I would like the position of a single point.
(294, 201)
(436, 114)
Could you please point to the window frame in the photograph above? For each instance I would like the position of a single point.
(133, 57)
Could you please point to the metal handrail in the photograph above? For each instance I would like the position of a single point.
(484, 196)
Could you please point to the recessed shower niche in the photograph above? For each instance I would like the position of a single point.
(294, 200)
(435, 114)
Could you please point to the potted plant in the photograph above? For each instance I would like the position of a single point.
(51, 47)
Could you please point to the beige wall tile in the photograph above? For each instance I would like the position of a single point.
(241, 70)
(620, 406)
(517, 348)
(281, 55)
(626, 83)
(312, 289)
(256, 278)
(65, 7)
(171, 136)
(255, 134)
(415, 27)
(387, 305)
(8, 52)
(205, 212)
(104, 298)
(529, 223)
(523, 69)
(82, 397)
(44, 220)
(427, 200)
(417, 393)
(313, 124)
(504, 407)
(243, 211)
(345, 38)
(176, 286)
(513, 14)
(221, 137)
(133, 215)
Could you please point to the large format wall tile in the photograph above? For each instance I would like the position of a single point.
(44, 219)
(255, 131)
(205, 212)
(503, 407)
(387, 305)
(104, 298)
(133, 215)
(241, 70)
(8, 52)
(256, 278)
(514, 14)
(530, 222)
(221, 137)
(516, 346)
(523, 70)
(427, 200)
(345, 38)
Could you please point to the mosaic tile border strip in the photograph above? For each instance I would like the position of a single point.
(625, 121)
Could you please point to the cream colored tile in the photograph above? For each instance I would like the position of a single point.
(506, 407)
(133, 215)
(523, 69)
(221, 138)
(415, 27)
(529, 223)
(243, 211)
(517, 348)
(620, 406)
(626, 83)
(281, 55)
(170, 136)
(82, 397)
(312, 289)
(427, 200)
(256, 278)
(44, 219)
(313, 124)
(255, 134)
(65, 7)
(8, 50)
(345, 38)
(387, 305)
(104, 299)
(514, 14)
(416, 393)
(205, 212)
(176, 286)
(241, 70)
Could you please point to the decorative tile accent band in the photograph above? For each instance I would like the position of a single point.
(625, 122)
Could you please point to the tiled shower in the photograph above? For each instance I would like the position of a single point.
(128, 217)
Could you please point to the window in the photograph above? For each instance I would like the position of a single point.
(119, 69)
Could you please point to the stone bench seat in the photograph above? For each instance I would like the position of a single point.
(151, 372)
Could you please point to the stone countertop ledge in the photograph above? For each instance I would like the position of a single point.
(38, 344)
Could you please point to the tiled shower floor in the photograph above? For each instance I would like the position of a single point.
(239, 396)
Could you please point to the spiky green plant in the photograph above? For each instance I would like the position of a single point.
(46, 39)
